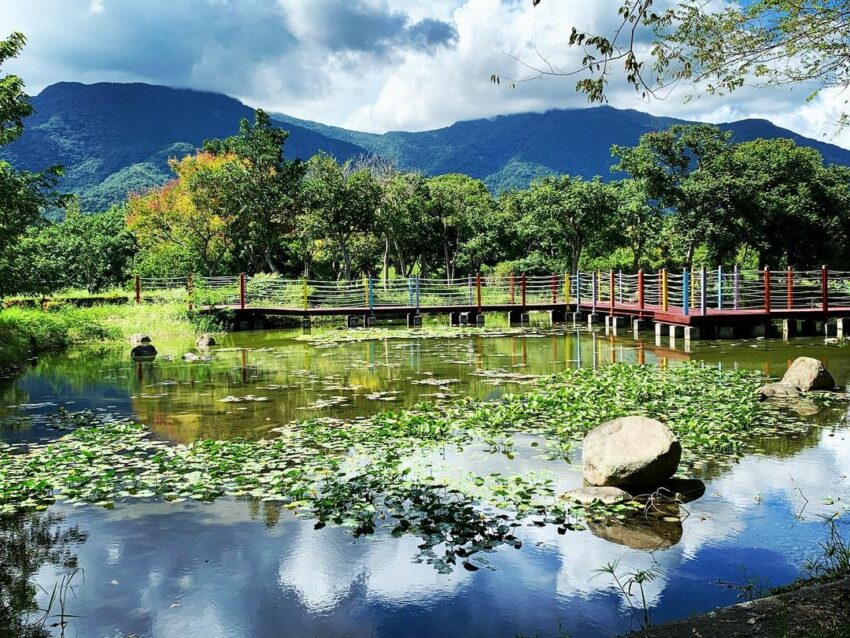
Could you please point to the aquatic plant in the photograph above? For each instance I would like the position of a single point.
(368, 473)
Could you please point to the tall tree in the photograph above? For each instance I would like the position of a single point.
(260, 193)
(568, 214)
(341, 205)
(23, 194)
(797, 211)
(462, 208)
(638, 218)
(185, 212)
(688, 170)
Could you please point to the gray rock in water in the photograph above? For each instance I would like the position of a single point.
(143, 351)
(605, 495)
(190, 356)
(807, 374)
(139, 339)
(633, 450)
(778, 391)
(205, 340)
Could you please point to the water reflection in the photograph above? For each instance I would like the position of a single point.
(259, 381)
(247, 568)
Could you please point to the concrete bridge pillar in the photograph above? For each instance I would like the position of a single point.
(637, 326)
(414, 320)
(676, 332)
(613, 325)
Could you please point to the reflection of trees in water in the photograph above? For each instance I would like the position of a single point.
(28, 542)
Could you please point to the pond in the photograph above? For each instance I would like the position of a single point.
(244, 567)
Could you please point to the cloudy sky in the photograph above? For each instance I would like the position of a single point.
(367, 64)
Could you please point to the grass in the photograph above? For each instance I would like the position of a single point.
(27, 332)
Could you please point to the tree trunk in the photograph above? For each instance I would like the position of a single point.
(386, 274)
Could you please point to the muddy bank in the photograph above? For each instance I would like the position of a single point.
(814, 611)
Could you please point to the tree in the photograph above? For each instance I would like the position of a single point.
(797, 211)
(688, 170)
(23, 194)
(563, 215)
(92, 252)
(260, 194)
(185, 212)
(462, 208)
(638, 218)
(405, 220)
(341, 203)
(719, 46)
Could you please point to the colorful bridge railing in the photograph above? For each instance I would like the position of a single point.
(695, 292)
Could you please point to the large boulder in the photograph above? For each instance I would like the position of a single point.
(138, 339)
(784, 391)
(205, 340)
(632, 450)
(807, 374)
(143, 351)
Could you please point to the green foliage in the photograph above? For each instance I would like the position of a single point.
(92, 252)
(24, 333)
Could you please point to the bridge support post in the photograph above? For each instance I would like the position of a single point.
(414, 320)
(354, 321)
(839, 327)
(371, 320)
(613, 324)
(692, 332)
(306, 323)
(578, 316)
(637, 326)
(659, 327)
(558, 315)
(789, 328)
(676, 331)
(592, 318)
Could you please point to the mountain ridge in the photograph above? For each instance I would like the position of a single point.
(117, 137)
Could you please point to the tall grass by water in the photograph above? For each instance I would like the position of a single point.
(26, 332)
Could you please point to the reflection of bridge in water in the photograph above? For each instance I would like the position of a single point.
(690, 304)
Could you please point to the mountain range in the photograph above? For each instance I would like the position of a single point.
(117, 138)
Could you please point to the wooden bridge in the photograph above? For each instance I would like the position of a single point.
(699, 302)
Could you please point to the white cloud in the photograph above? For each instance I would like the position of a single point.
(367, 64)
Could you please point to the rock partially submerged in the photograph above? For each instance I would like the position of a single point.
(630, 451)
(190, 356)
(143, 351)
(205, 340)
(784, 391)
(807, 374)
(139, 339)
(591, 494)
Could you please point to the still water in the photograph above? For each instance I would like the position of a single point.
(235, 568)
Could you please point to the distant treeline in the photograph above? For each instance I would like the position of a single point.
(690, 197)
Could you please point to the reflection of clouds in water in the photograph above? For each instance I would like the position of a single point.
(715, 519)
(322, 570)
(815, 471)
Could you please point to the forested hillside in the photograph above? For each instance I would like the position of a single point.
(116, 138)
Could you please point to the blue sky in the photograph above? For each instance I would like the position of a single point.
(367, 64)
